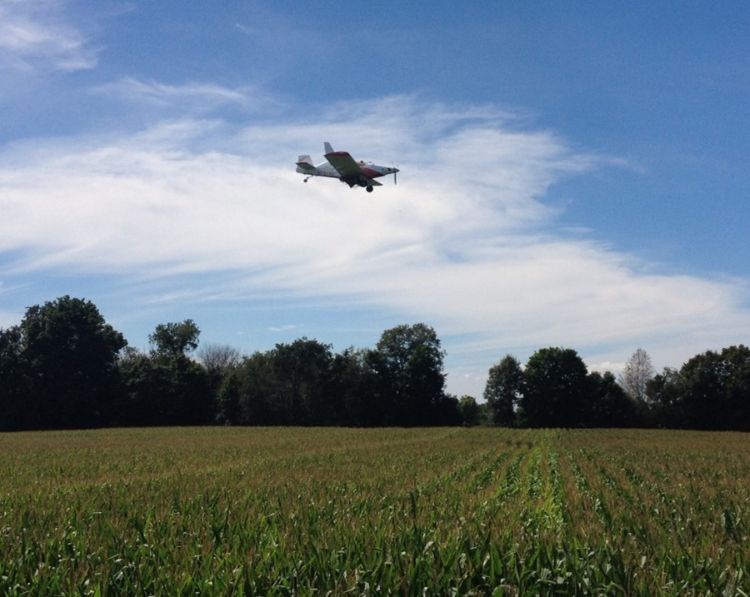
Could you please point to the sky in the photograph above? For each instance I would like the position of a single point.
(572, 174)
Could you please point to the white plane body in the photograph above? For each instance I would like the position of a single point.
(341, 165)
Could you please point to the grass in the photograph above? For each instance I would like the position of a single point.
(279, 511)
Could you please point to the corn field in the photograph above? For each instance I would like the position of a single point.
(282, 511)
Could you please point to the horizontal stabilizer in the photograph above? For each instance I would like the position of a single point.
(305, 164)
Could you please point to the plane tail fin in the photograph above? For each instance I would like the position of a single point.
(305, 164)
(327, 147)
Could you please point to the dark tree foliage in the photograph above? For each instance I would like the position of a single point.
(469, 411)
(228, 400)
(290, 385)
(303, 383)
(409, 362)
(16, 408)
(448, 411)
(218, 360)
(503, 390)
(257, 391)
(610, 406)
(63, 356)
(663, 394)
(302, 375)
(712, 390)
(557, 390)
(167, 387)
(354, 383)
(163, 390)
(63, 366)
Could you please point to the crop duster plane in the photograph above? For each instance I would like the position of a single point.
(342, 165)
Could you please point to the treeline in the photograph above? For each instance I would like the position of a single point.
(63, 366)
(711, 391)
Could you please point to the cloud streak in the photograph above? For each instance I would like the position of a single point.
(465, 241)
(34, 35)
(190, 97)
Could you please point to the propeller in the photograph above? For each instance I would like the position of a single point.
(395, 172)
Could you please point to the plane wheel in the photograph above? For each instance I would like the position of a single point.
(369, 189)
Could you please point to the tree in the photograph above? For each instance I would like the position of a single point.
(69, 355)
(556, 392)
(354, 386)
(167, 387)
(611, 406)
(228, 401)
(219, 360)
(219, 357)
(503, 390)
(663, 398)
(301, 378)
(289, 385)
(171, 339)
(15, 410)
(636, 375)
(257, 391)
(409, 362)
(469, 410)
(716, 389)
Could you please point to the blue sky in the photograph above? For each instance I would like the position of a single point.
(573, 174)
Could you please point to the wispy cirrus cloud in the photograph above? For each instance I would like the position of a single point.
(187, 97)
(36, 35)
(466, 240)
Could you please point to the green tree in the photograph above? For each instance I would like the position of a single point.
(409, 362)
(172, 339)
(664, 399)
(70, 354)
(302, 377)
(228, 401)
(167, 387)
(354, 384)
(503, 390)
(557, 392)
(716, 389)
(257, 391)
(219, 360)
(611, 406)
(469, 409)
(15, 394)
(292, 384)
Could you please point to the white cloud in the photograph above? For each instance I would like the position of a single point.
(35, 35)
(287, 327)
(464, 242)
(195, 96)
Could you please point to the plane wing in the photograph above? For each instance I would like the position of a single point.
(349, 171)
(344, 164)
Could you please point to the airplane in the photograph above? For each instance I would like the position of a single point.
(342, 165)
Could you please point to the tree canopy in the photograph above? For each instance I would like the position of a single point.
(556, 389)
(503, 391)
(64, 366)
(61, 362)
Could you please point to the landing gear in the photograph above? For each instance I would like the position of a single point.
(306, 179)
(369, 189)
